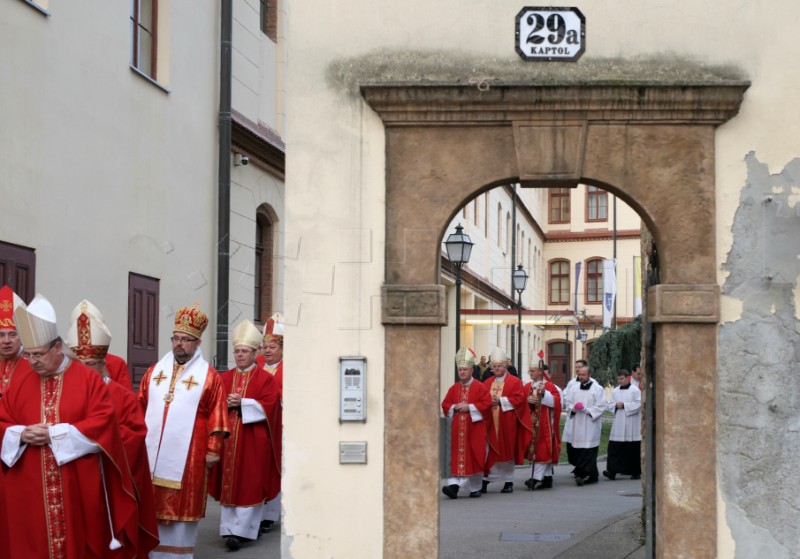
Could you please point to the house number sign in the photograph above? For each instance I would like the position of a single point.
(550, 33)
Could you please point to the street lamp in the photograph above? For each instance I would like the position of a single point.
(459, 248)
(520, 278)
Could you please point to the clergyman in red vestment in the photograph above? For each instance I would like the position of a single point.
(509, 424)
(89, 338)
(271, 360)
(66, 478)
(187, 418)
(544, 401)
(11, 360)
(247, 474)
(467, 404)
(115, 366)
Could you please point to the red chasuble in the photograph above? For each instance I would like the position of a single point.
(468, 438)
(59, 512)
(188, 503)
(276, 419)
(118, 371)
(133, 430)
(8, 368)
(548, 439)
(509, 432)
(248, 474)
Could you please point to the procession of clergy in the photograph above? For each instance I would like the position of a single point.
(92, 469)
(497, 424)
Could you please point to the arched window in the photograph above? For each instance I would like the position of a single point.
(486, 215)
(508, 231)
(265, 237)
(531, 269)
(559, 282)
(499, 225)
(594, 280)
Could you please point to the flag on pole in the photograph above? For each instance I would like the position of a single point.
(637, 285)
(609, 290)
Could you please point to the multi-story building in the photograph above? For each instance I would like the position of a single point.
(563, 236)
(402, 112)
(117, 159)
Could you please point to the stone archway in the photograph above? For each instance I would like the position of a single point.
(652, 145)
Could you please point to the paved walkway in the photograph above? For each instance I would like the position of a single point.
(599, 521)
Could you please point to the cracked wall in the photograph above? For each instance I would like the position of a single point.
(758, 398)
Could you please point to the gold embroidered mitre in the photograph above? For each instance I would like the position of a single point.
(191, 320)
(88, 336)
(246, 334)
(465, 357)
(273, 332)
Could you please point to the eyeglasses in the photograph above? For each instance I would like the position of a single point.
(179, 340)
(36, 356)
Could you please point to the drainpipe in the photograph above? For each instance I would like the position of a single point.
(513, 266)
(224, 185)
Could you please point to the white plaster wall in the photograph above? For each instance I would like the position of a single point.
(251, 187)
(255, 66)
(102, 172)
(336, 157)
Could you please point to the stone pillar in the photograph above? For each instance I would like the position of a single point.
(413, 316)
(686, 319)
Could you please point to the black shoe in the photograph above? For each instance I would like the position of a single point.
(484, 486)
(580, 480)
(266, 526)
(530, 483)
(475, 495)
(609, 475)
(507, 488)
(547, 483)
(636, 476)
(451, 491)
(233, 542)
(589, 480)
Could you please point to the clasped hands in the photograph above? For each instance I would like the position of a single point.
(234, 400)
(36, 435)
(461, 407)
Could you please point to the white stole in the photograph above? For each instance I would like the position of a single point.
(175, 436)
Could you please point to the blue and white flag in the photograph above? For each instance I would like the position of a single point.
(609, 290)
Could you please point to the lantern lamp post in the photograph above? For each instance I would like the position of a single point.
(459, 248)
(520, 278)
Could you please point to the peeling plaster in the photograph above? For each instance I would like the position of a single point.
(726, 546)
(758, 397)
(730, 309)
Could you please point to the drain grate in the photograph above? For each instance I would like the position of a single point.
(628, 494)
(522, 537)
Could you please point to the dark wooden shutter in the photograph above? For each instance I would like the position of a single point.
(142, 325)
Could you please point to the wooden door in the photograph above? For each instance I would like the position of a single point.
(142, 325)
(18, 270)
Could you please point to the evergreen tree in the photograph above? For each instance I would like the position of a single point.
(615, 350)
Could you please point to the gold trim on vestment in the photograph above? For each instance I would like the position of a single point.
(168, 483)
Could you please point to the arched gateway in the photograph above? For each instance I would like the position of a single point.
(652, 145)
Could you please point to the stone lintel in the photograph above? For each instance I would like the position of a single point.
(413, 304)
(683, 303)
(404, 104)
